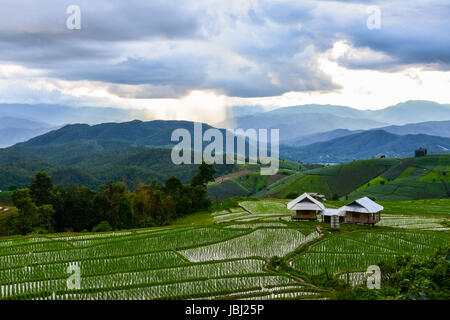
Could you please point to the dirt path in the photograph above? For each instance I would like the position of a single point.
(288, 262)
(249, 212)
(232, 175)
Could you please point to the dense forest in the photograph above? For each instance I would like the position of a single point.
(45, 207)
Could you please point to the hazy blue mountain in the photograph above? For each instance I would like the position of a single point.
(60, 115)
(367, 144)
(433, 128)
(294, 125)
(14, 130)
(319, 137)
(412, 112)
(300, 123)
(240, 111)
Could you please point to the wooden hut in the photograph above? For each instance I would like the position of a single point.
(362, 211)
(305, 207)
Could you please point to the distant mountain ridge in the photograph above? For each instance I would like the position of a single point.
(365, 145)
(14, 130)
(294, 122)
(58, 115)
(293, 125)
(301, 121)
(342, 145)
(432, 128)
(136, 132)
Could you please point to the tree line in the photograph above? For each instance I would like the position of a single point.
(46, 208)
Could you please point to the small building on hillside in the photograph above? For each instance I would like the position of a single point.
(362, 211)
(328, 213)
(305, 207)
(422, 152)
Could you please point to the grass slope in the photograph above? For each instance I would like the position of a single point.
(382, 179)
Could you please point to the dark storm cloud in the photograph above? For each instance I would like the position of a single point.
(172, 47)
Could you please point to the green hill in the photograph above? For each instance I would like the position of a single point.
(87, 155)
(149, 133)
(413, 178)
(92, 163)
(382, 179)
(249, 182)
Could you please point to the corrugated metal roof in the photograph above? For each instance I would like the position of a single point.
(332, 212)
(363, 205)
(305, 202)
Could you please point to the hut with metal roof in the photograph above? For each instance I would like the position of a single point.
(305, 207)
(362, 211)
(328, 213)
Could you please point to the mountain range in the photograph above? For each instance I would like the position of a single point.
(136, 133)
(91, 154)
(295, 122)
(300, 121)
(433, 128)
(58, 115)
(364, 145)
(14, 130)
(21, 122)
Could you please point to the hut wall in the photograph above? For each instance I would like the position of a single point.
(362, 218)
(305, 215)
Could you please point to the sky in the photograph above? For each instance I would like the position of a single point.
(195, 59)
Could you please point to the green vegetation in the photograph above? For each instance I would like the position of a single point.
(247, 181)
(355, 251)
(377, 181)
(5, 197)
(381, 179)
(46, 208)
(406, 173)
(337, 180)
(247, 248)
(92, 164)
(407, 279)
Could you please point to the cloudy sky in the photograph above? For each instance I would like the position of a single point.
(193, 59)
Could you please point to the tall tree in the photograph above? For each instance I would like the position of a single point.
(125, 212)
(27, 211)
(41, 188)
(205, 174)
(107, 202)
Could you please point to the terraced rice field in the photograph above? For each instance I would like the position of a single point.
(259, 243)
(415, 222)
(149, 265)
(355, 251)
(225, 260)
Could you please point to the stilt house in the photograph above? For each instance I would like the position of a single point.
(362, 211)
(305, 207)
